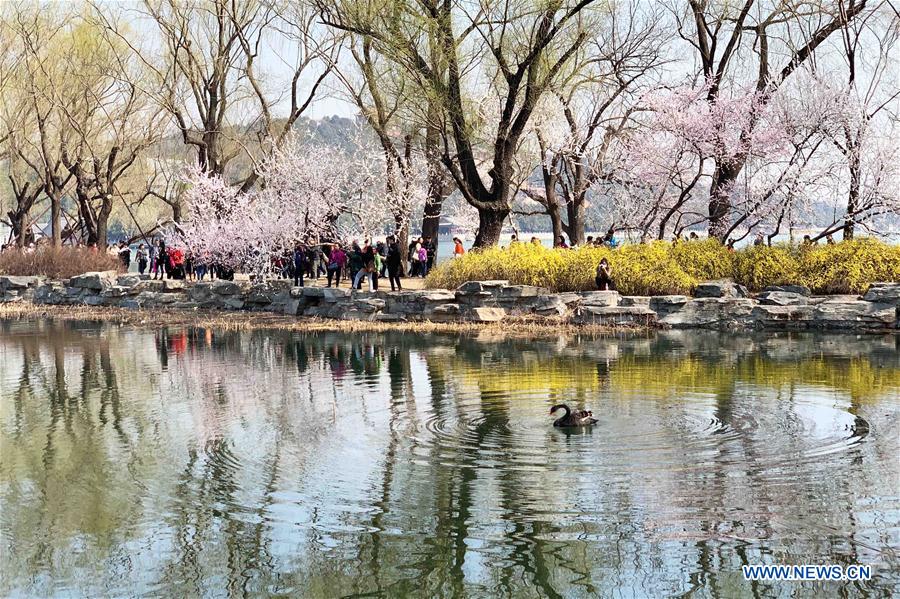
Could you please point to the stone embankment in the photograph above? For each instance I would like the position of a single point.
(715, 305)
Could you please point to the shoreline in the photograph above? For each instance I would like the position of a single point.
(473, 307)
(143, 318)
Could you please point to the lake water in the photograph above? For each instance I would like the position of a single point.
(192, 462)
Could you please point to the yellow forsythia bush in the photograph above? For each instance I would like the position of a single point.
(704, 259)
(659, 268)
(521, 264)
(757, 267)
(849, 266)
(580, 267)
(649, 269)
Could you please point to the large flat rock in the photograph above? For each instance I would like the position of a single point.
(782, 298)
(769, 316)
(854, 314)
(485, 314)
(478, 286)
(600, 298)
(9, 282)
(846, 315)
(616, 315)
(333, 294)
(802, 290)
(720, 288)
(711, 312)
(128, 280)
(220, 287)
(93, 280)
(885, 293)
(520, 291)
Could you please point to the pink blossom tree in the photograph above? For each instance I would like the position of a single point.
(669, 161)
(581, 127)
(312, 194)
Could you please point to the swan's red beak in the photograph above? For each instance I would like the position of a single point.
(552, 410)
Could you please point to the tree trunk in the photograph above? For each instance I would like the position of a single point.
(431, 215)
(853, 196)
(103, 219)
(401, 232)
(55, 220)
(101, 233)
(176, 211)
(724, 178)
(86, 214)
(17, 222)
(490, 225)
(576, 221)
(555, 220)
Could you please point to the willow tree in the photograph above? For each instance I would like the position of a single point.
(109, 121)
(234, 75)
(522, 46)
(31, 134)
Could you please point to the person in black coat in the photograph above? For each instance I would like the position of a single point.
(394, 260)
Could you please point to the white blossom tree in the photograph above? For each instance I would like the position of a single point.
(313, 193)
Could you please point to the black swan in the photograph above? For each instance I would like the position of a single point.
(576, 418)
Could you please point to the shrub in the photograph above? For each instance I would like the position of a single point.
(849, 266)
(521, 264)
(705, 259)
(661, 268)
(580, 267)
(57, 263)
(649, 269)
(757, 267)
(637, 269)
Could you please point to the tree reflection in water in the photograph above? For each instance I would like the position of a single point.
(189, 461)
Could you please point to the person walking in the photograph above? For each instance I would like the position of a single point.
(201, 267)
(379, 268)
(394, 262)
(458, 249)
(431, 253)
(367, 268)
(354, 261)
(337, 259)
(189, 265)
(423, 261)
(141, 258)
(162, 260)
(125, 255)
(312, 263)
(151, 255)
(381, 252)
(412, 255)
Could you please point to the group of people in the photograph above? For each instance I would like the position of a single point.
(164, 262)
(359, 262)
(609, 240)
(422, 252)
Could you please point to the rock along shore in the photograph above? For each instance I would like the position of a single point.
(715, 305)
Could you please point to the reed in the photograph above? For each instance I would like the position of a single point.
(56, 263)
(510, 327)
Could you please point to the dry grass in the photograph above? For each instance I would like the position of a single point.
(508, 328)
(57, 263)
